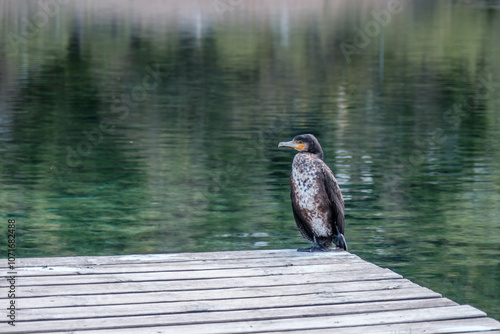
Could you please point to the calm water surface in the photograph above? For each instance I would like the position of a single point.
(147, 128)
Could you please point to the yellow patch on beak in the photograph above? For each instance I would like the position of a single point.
(294, 144)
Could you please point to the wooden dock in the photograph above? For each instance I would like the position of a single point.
(263, 291)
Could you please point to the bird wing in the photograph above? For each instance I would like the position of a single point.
(304, 228)
(335, 196)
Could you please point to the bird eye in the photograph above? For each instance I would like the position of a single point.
(300, 141)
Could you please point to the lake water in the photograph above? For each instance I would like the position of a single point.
(132, 127)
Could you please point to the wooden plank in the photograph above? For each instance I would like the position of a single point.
(469, 326)
(56, 270)
(226, 304)
(175, 257)
(220, 284)
(191, 274)
(141, 324)
(222, 318)
(210, 294)
(376, 318)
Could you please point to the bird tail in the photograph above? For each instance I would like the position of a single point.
(341, 243)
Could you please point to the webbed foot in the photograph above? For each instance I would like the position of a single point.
(340, 242)
(314, 248)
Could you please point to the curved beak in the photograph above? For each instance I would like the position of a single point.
(289, 144)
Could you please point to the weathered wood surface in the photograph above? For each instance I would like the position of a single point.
(229, 292)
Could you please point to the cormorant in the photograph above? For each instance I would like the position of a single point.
(317, 203)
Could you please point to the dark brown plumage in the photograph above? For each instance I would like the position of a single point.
(317, 203)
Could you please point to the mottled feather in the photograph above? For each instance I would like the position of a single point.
(335, 197)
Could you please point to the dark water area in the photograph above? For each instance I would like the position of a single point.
(152, 127)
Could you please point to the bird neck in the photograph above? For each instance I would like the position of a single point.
(316, 154)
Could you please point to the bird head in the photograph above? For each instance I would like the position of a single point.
(304, 143)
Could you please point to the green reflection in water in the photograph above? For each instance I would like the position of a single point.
(410, 127)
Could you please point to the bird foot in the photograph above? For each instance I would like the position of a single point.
(340, 242)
